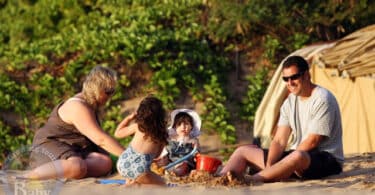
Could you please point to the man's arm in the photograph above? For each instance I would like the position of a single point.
(278, 145)
(311, 142)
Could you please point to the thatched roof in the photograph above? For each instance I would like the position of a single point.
(353, 55)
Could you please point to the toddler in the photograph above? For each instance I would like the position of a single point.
(183, 138)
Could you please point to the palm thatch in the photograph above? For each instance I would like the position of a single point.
(353, 55)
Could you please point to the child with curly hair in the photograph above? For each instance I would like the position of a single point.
(150, 137)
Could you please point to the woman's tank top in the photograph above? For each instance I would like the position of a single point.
(57, 130)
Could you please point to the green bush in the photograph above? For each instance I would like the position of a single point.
(48, 48)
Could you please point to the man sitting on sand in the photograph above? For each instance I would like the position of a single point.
(311, 115)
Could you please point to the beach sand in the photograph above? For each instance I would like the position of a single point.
(358, 177)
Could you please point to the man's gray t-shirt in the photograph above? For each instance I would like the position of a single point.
(319, 114)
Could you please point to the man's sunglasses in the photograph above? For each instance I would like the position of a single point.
(293, 77)
(109, 91)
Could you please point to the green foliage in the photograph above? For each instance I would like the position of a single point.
(299, 40)
(257, 87)
(216, 114)
(272, 46)
(48, 47)
(287, 21)
(11, 141)
(111, 119)
(13, 96)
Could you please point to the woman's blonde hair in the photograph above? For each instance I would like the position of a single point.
(99, 80)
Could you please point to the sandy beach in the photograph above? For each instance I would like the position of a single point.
(358, 177)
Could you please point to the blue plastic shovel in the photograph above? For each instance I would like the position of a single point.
(112, 181)
(172, 164)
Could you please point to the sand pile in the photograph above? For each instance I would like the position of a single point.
(204, 178)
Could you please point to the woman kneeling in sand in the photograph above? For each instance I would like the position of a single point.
(73, 138)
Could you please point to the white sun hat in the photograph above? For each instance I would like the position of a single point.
(195, 131)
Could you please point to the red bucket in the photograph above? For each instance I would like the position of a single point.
(207, 163)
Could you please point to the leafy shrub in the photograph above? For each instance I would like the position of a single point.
(257, 87)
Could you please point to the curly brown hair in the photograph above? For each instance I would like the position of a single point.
(151, 119)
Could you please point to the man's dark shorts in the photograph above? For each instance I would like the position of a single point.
(322, 164)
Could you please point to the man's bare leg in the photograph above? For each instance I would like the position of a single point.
(242, 157)
(297, 161)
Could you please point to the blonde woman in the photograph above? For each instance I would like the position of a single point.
(72, 143)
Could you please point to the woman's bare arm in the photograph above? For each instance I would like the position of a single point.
(83, 118)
